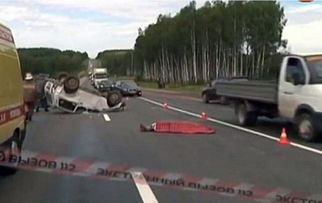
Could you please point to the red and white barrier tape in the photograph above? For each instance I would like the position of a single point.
(73, 166)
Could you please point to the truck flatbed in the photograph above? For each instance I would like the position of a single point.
(256, 90)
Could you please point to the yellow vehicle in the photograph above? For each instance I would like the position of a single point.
(12, 116)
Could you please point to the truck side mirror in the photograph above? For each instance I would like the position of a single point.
(209, 84)
(296, 79)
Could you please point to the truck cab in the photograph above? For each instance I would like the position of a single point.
(99, 75)
(300, 93)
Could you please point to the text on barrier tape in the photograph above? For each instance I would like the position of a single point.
(73, 166)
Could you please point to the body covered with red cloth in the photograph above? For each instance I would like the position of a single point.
(183, 127)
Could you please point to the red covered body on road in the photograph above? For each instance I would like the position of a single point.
(183, 127)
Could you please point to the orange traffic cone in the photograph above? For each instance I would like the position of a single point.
(165, 105)
(203, 116)
(283, 139)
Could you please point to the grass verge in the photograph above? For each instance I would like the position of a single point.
(194, 89)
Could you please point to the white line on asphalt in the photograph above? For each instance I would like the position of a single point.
(235, 127)
(106, 117)
(143, 188)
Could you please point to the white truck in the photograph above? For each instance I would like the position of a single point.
(99, 75)
(296, 96)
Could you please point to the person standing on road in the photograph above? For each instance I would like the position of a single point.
(40, 92)
(29, 95)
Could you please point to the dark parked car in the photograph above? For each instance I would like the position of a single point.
(128, 88)
(209, 93)
(107, 85)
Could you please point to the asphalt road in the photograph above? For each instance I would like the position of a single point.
(229, 154)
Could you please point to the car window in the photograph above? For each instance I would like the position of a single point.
(294, 66)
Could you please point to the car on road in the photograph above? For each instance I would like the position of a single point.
(209, 93)
(12, 109)
(107, 85)
(128, 88)
(66, 95)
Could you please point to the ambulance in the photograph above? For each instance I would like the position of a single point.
(12, 116)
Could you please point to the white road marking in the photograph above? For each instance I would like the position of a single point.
(300, 146)
(143, 188)
(106, 117)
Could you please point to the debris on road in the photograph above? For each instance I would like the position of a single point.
(182, 127)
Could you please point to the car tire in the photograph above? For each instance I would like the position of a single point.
(62, 76)
(114, 98)
(15, 148)
(305, 127)
(139, 93)
(205, 98)
(245, 117)
(71, 84)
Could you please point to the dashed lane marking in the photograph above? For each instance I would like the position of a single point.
(143, 188)
(106, 117)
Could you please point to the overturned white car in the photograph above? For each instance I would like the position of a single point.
(66, 95)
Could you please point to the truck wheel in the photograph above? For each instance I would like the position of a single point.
(14, 149)
(205, 98)
(245, 118)
(71, 84)
(305, 128)
(114, 98)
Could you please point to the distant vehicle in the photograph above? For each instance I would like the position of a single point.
(12, 109)
(107, 85)
(99, 75)
(209, 93)
(66, 95)
(129, 88)
(297, 96)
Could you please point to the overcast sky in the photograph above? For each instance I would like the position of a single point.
(96, 25)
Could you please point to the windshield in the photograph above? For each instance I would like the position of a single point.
(101, 76)
(130, 84)
(315, 65)
(170, 101)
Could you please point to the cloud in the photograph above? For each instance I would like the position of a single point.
(83, 25)
(303, 14)
(305, 37)
(96, 25)
(304, 28)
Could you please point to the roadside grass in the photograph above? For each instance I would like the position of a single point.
(82, 74)
(189, 88)
(194, 89)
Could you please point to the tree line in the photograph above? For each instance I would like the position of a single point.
(219, 39)
(117, 62)
(51, 61)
